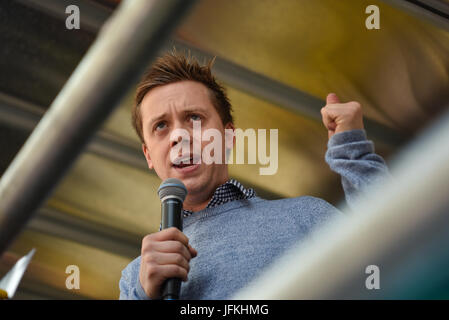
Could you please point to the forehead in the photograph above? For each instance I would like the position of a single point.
(179, 95)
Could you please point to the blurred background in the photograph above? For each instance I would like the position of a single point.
(278, 61)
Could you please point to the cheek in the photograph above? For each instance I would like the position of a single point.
(158, 156)
(212, 145)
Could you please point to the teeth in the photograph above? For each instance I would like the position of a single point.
(183, 160)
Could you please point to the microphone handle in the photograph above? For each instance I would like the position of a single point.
(171, 217)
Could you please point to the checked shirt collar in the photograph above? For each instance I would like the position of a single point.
(229, 191)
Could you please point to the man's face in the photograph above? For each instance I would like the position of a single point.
(176, 106)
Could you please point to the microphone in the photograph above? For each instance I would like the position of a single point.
(172, 193)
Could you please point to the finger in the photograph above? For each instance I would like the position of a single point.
(332, 98)
(328, 120)
(331, 126)
(170, 234)
(193, 251)
(171, 247)
(174, 271)
(336, 111)
(172, 258)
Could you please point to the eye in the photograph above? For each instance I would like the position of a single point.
(160, 125)
(195, 117)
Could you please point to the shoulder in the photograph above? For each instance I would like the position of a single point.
(315, 203)
(296, 217)
(302, 202)
(304, 208)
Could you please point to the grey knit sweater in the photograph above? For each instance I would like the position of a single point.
(237, 240)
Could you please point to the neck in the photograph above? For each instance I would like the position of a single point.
(195, 206)
(197, 202)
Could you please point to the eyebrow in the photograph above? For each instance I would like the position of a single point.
(189, 110)
(155, 119)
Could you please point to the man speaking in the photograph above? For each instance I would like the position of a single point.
(229, 233)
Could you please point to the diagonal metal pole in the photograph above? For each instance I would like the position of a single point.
(125, 46)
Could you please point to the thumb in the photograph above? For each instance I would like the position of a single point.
(332, 98)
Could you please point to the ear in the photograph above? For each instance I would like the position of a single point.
(229, 135)
(146, 152)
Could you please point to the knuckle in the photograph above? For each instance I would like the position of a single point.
(181, 271)
(152, 270)
(178, 246)
(148, 259)
(146, 239)
(179, 259)
(172, 231)
(356, 105)
(147, 246)
(172, 270)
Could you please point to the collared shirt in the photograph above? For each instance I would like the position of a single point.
(229, 191)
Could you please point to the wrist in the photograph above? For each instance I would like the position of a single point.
(347, 136)
(141, 291)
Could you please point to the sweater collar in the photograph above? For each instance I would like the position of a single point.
(229, 191)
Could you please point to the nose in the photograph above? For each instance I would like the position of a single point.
(180, 134)
(174, 142)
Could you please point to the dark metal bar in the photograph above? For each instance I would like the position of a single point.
(125, 46)
(59, 224)
(435, 12)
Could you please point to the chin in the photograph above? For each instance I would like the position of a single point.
(192, 183)
(196, 184)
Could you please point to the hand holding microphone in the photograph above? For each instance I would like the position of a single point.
(166, 254)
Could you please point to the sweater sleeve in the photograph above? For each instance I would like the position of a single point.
(352, 156)
(130, 287)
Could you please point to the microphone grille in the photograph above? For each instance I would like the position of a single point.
(172, 187)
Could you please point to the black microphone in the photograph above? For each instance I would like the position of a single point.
(172, 193)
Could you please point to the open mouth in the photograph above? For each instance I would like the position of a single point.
(183, 163)
(186, 165)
